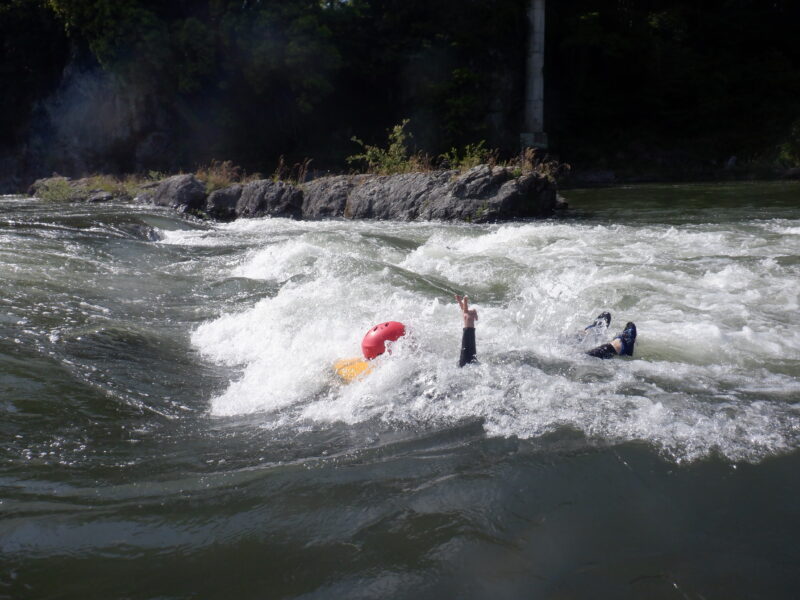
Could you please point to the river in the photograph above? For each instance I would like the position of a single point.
(171, 427)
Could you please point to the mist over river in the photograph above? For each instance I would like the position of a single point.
(171, 427)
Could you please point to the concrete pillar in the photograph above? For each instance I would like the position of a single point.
(534, 135)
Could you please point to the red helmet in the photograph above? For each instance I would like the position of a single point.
(374, 343)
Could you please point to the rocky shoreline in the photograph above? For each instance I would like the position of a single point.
(479, 195)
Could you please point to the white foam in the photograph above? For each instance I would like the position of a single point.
(716, 360)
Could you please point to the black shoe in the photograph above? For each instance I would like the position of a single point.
(603, 319)
(628, 339)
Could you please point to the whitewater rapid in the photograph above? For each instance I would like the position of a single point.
(716, 367)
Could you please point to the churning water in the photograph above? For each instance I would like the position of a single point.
(171, 426)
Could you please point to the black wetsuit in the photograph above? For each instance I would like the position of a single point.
(468, 350)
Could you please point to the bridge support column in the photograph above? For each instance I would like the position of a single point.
(534, 135)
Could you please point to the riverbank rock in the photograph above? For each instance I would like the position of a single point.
(64, 189)
(484, 194)
(270, 198)
(181, 192)
(479, 195)
(327, 196)
(221, 204)
(144, 192)
(47, 186)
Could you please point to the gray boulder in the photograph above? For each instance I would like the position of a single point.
(59, 189)
(480, 182)
(88, 189)
(326, 197)
(270, 198)
(45, 187)
(397, 197)
(481, 194)
(100, 196)
(42, 184)
(145, 192)
(485, 194)
(221, 204)
(181, 192)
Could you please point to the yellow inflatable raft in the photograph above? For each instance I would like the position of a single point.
(350, 369)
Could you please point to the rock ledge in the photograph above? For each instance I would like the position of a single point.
(481, 194)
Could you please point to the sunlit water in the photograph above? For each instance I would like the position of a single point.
(172, 428)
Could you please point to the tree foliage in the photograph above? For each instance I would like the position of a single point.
(691, 79)
(32, 50)
(252, 80)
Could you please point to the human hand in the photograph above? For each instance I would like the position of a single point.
(470, 314)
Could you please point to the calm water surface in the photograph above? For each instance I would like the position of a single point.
(171, 429)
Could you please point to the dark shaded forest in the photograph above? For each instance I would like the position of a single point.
(124, 86)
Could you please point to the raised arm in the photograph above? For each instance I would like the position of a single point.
(470, 315)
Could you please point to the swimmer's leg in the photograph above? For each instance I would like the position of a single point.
(602, 320)
(627, 338)
(622, 344)
(468, 350)
(604, 351)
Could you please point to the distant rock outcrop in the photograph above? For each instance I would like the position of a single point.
(481, 194)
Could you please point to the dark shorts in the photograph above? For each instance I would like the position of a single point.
(604, 351)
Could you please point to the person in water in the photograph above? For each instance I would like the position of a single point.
(621, 345)
(374, 343)
(470, 315)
